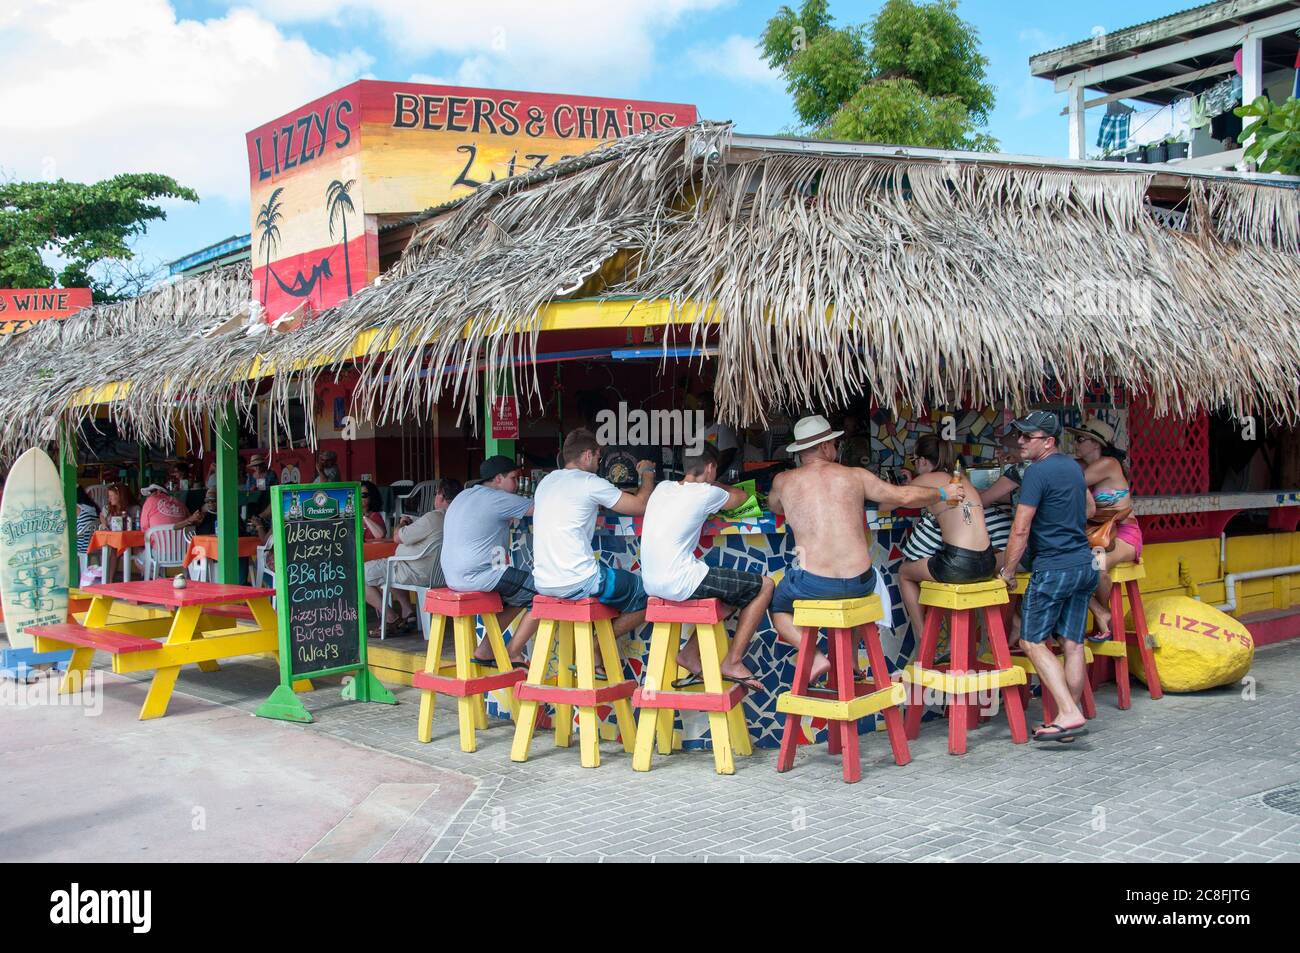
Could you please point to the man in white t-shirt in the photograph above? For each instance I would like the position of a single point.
(669, 534)
(564, 519)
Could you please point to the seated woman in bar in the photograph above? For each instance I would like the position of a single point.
(373, 525)
(121, 506)
(927, 538)
(1103, 471)
(963, 549)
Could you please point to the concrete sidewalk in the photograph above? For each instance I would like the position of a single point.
(1190, 777)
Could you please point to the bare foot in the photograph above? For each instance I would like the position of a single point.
(820, 666)
(691, 662)
(742, 675)
(1102, 619)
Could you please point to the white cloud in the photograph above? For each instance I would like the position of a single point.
(603, 46)
(737, 60)
(96, 87)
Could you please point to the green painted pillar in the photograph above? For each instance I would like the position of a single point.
(68, 477)
(500, 387)
(227, 440)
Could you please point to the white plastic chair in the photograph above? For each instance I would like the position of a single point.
(389, 585)
(417, 502)
(99, 494)
(264, 567)
(164, 548)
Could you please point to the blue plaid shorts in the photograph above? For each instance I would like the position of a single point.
(1056, 603)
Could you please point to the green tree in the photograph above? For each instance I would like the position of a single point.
(338, 202)
(1274, 139)
(80, 225)
(914, 75)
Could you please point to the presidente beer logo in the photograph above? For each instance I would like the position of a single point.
(38, 520)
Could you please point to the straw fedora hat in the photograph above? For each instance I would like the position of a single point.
(1096, 429)
(810, 431)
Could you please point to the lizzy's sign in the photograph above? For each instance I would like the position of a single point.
(324, 175)
(20, 308)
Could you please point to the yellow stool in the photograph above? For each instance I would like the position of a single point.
(1125, 576)
(845, 621)
(725, 707)
(467, 687)
(557, 618)
(964, 676)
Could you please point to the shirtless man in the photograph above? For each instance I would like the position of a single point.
(823, 504)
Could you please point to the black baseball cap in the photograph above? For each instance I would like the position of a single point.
(493, 467)
(1043, 420)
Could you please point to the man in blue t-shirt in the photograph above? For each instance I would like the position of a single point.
(1050, 520)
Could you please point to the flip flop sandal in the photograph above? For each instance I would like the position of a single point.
(1061, 734)
(694, 678)
(756, 686)
(1098, 637)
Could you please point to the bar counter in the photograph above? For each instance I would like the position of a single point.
(759, 545)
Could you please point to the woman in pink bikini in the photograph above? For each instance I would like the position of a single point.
(1103, 471)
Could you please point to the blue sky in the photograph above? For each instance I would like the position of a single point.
(95, 87)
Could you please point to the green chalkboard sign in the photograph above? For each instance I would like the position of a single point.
(319, 594)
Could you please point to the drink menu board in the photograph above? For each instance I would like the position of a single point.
(318, 576)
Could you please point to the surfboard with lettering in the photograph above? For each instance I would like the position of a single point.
(33, 548)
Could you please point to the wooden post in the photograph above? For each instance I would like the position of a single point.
(1252, 79)
(1078, 133)
(68, 476)
(227, 440)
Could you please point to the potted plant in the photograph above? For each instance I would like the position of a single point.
(1137, 154)
(1273, 142)
(1175, 149)
(1157, 152)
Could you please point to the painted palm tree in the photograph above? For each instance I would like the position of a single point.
(268, 217)
(338, 202)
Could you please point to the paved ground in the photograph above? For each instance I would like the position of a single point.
(1179, 779)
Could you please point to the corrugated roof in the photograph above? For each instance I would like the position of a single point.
(1134, 26)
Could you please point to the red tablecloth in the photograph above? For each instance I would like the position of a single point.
(206, 546)
(120, 540)
(379, 549)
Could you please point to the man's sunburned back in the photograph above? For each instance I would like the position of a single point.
(952, 524)
(824, 505)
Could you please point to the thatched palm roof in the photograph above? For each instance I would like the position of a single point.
(921, 279)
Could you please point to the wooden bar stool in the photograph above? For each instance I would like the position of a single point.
(568, 625)
(467, 685)
(1114, 652)
(964, 676)
(845, 621)
(658, 701)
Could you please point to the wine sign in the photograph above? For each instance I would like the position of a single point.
(320, 593)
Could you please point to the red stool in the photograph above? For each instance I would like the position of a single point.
(726, 709)
(1112, 655)
(845, 621)
(568, 624)
(964, 677)
(467, 685)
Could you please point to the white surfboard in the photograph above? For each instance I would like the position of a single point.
(33, 548)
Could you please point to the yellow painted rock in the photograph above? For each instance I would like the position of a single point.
(1197, 646)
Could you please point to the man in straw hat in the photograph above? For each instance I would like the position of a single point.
(824, 505)
(1050, 518)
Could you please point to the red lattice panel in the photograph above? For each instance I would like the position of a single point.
(1168, 456)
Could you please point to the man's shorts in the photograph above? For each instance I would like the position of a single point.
(953, 564)
(620, 589)
(731, 586)
(515, 587)
(801, 584)
(1056, 603)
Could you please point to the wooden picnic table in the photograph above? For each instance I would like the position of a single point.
(200, 630)
(120, 540)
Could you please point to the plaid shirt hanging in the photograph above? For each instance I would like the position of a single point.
(1114, 132)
